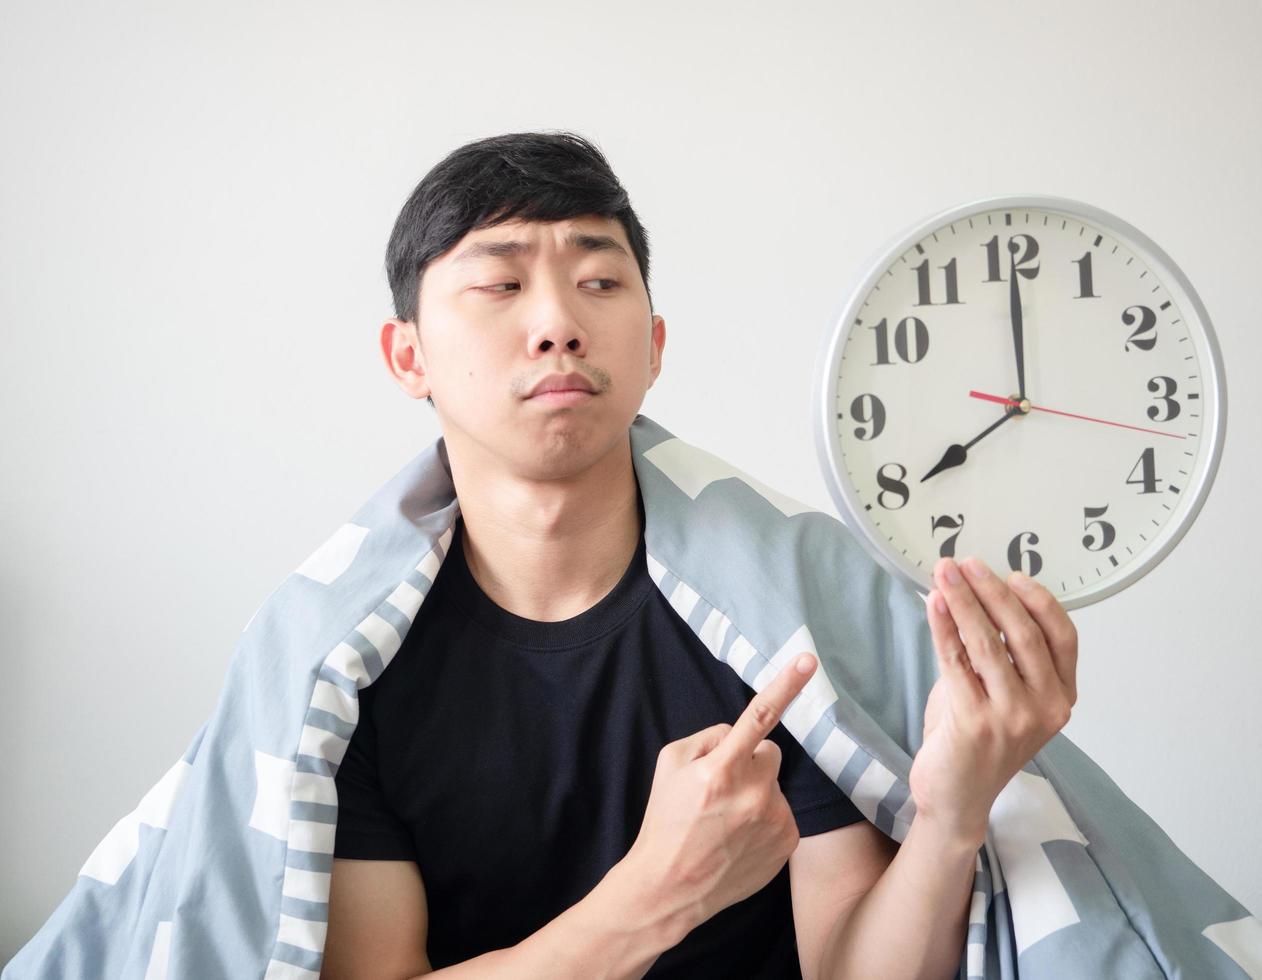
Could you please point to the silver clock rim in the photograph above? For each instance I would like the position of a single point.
(1172, 277)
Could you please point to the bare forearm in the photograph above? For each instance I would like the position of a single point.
(615, 933)
(914, 920)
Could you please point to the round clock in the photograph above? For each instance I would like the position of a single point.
(1026, 379)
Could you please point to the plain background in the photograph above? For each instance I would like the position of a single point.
(195, 206)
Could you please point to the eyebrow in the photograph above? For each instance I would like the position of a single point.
(576, 240)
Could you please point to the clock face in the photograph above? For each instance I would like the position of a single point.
(1028, 380)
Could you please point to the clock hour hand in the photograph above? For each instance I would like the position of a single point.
(956, 454)
(1018, 328)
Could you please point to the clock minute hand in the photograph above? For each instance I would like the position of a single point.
(1018, 327)
(956, 454)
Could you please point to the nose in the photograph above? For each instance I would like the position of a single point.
(553, 321)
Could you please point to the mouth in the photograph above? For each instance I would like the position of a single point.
(563, 396)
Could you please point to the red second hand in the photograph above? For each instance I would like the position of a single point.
(1086, 418)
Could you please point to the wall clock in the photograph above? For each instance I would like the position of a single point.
(1026, 379)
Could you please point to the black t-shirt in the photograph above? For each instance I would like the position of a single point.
(512, 760)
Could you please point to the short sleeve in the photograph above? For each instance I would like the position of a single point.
(817, 802)
(367, 827)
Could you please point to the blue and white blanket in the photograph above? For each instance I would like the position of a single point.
(222, 870)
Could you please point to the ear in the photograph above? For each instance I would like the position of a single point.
(401, 348)
(657, 341)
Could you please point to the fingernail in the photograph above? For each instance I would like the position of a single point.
(950, 572)
(939, 602)
(805, 663)
(1020, 580)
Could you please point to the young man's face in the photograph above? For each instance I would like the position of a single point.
(495, 319)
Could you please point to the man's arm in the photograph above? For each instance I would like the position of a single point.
(1007, 655)
(865, 906)
(614, 933)
(379, 920)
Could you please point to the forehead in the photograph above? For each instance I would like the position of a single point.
(585, 233)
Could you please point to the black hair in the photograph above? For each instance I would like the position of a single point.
(546, 176)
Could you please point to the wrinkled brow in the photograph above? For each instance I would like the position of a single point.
(577, 240)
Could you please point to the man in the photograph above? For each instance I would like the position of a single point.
(627, 806)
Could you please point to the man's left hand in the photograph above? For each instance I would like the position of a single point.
(987, 715)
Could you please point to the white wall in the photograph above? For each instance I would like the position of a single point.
(194, 207)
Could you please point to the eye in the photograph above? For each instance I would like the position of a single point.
(503, 287)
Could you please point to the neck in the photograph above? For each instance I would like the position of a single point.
(549, 550)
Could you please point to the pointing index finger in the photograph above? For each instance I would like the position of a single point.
(767, 707)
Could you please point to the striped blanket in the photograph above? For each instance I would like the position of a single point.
(222, 870)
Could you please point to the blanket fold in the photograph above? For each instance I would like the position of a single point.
(223, 868)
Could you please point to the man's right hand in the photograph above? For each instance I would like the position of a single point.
(716, 827)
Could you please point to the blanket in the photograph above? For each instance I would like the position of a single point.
(223, 868)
